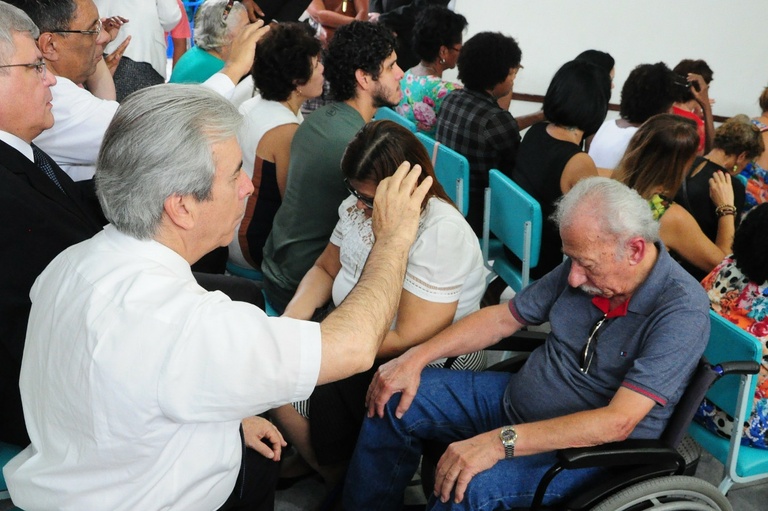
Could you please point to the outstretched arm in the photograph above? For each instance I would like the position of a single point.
(472, 333)
(352, 334)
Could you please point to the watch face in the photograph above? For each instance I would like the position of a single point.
(508, 436)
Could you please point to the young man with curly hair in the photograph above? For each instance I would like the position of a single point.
(361, 68)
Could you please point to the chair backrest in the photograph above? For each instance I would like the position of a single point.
(451, 169)
(515, 218)
(729, 342)
(701, 380)
(386, 113)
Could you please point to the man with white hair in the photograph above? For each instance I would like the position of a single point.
(135, 380)
(628, 326)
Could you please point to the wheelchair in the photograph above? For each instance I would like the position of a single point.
(645, 474)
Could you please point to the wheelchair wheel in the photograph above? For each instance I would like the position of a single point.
(670, 493)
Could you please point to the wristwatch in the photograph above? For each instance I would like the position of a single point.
(508, 437)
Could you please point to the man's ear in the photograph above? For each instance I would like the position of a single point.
(180, 210)
(364, 79)
(48, 46)
(636, 250)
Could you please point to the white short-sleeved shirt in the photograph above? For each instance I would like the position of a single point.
(135, 379)
(445, 264)
(81, 120)
(610, 143)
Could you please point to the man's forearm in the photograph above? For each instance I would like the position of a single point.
(610, 423)
(475, 332)
(353, 334)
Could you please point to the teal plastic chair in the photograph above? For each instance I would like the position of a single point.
(387, 114)
(734, 395)
(514, 217)
(451, 169)
(246, 273)
(7, 451)
(251, 274)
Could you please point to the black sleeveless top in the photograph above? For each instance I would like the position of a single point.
(540, 163)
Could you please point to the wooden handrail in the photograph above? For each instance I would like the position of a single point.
(535, 98)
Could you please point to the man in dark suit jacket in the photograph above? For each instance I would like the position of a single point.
(39, 217)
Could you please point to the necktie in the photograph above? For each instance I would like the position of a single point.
(42, 161)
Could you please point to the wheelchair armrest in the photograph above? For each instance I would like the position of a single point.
(630, 453)
(627, 452)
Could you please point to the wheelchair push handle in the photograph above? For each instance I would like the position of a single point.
(737, 367)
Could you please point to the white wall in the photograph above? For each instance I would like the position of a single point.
(729, 35)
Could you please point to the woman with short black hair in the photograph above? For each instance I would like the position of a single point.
(551, 160)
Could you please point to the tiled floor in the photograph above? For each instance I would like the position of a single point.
(307, 495)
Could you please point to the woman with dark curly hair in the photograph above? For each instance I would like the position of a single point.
(738, 291)
(737, 142)
(286, 71)
(437, 37)
(657, 159)
(648, 90)
(550, 160)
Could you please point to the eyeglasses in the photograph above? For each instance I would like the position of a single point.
(588, 353)
(227, 8)
(38, 66)
(367, 201)
(95, 31)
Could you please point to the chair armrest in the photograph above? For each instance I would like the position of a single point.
(627, 452)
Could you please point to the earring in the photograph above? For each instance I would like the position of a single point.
(735, 169)
(442, 61)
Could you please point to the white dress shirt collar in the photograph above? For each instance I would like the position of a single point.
(18, 144)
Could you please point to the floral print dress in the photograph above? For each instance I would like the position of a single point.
(422, 97)
(744, 303)
(755, 179)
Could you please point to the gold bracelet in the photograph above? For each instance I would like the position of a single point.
(725, 209)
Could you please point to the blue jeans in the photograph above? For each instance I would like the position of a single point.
(449, 406)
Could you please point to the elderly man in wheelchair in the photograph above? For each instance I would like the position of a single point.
(628, 327)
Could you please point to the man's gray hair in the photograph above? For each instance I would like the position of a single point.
(159, 144)
(618, 209)
(210, 32)
(13, 20)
